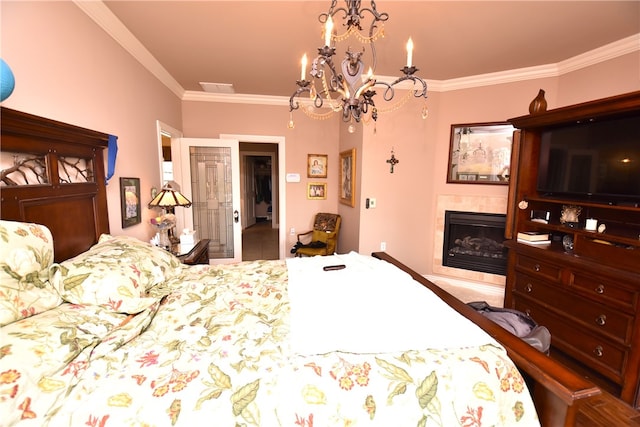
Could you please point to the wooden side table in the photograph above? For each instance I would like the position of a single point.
(199, 254)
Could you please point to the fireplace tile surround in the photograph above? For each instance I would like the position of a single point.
(478, 280)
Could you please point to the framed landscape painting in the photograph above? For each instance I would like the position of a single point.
(480, 153)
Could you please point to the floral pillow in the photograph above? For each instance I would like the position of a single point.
(116, 273)
(26, 252)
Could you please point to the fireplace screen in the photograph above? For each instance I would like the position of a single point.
(474, 241)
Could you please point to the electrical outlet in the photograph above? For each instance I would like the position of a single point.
(292, 231)
(383, 246)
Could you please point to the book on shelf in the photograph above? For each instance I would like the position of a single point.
(533, 236)
(535, 242)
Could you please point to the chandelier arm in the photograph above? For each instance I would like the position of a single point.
(417, 92)
(304, 86)
(293, 104)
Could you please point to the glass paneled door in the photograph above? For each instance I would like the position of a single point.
(211, 170)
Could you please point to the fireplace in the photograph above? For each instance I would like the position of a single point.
(474, 241)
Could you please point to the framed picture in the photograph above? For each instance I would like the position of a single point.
(480, 153)
(348, 177)
(317, 191)
(316, 165)
(130, 201)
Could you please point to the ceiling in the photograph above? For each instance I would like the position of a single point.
(257, 45)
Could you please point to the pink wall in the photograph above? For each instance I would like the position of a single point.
(205, 119)
(405, 216)
(68, 69)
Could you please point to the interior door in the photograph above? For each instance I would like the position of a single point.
(211, 177)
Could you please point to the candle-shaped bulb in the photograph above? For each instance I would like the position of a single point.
(303, 71)
(328, 29)
(370, 73)
(409, 52)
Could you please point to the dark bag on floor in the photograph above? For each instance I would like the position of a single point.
(516, 322)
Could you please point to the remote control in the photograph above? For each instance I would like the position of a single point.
(333, 267)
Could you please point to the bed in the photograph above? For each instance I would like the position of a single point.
(118, 332)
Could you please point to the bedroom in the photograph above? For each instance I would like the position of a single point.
(69, 69)
(61, 76)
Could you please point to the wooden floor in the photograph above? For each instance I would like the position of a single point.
(607, 411)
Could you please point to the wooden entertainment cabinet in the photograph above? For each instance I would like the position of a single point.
(588, 297)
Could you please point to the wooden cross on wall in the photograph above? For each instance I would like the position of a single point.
(393, 161)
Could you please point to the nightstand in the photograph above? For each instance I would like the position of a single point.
(199, 254)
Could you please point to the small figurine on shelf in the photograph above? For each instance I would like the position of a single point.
(569, 215)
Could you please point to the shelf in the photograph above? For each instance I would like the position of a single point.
(585, 203)
(614, 233)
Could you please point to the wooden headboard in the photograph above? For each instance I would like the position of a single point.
(52, 173)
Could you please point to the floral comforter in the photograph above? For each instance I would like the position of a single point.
(215, 350)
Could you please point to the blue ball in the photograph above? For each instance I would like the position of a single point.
(7, 81)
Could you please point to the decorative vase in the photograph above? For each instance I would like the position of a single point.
(539, 104)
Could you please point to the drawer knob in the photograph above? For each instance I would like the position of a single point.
(600, 289)
(536, 267)
(601, 320)
(528, 287)
(598, 351)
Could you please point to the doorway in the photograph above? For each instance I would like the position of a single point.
(258, 169)
(273, 146)
(250, 143)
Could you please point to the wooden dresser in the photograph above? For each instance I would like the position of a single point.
(588, 296)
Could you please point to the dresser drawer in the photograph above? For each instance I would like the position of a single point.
(538, 268)
(599, 354)
(599, 317)
(604, 289)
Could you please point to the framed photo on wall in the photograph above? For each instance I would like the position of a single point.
(317, 191)
(130, 201)
(348, 177)
(316, 165)
(480, 153)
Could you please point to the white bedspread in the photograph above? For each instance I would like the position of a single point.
(369, 307)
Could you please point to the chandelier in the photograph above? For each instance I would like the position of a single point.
(348, 90)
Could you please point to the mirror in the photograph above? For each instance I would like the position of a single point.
(480, 153)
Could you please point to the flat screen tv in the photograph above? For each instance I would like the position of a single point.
(596, 160)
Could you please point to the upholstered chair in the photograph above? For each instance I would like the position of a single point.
(323, 239)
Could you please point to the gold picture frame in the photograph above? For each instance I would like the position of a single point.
(317, 165)
(480, 153)
(317, 191)
(348, 177)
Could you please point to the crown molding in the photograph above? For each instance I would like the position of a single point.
(235, 98)
(101, 14)
(110, 23)
(604, 53)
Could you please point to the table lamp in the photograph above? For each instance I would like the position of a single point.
(168, 199)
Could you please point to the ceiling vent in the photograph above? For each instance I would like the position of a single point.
(217, 87)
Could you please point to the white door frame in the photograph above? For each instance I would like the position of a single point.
(278, 209)
(232, 144)
(175, 135)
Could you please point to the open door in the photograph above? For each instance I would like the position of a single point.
(211, 180)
